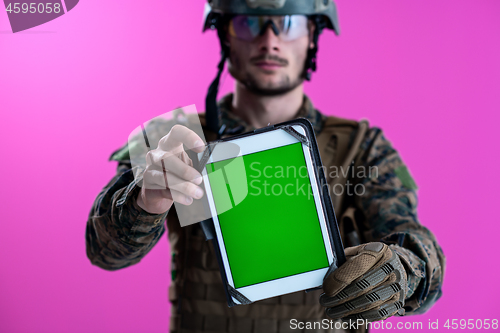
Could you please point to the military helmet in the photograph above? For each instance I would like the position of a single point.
(324, 8)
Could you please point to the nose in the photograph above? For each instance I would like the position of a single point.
(269, 42)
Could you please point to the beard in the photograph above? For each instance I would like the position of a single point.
(284, 86)
(258, 87)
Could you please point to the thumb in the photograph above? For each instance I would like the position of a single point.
(364, 257)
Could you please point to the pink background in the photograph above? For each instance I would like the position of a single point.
(71, 90)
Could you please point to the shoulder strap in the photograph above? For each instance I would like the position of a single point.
(340, 142)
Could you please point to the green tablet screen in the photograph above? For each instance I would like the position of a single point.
(267, 215)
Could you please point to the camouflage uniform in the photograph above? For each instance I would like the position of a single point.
(119, 234)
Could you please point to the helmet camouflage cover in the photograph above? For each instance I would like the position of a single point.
(324, 8)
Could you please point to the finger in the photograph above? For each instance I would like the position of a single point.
(156, 156)
(181, 197)
(179, 164)
(180, 135)
(346, 296)
(369, 256)
(182, 170)
(183, 186)
(383, 312)
(367, 282)
(185, 158)
(162, 178)
(155, 195)
(368, 301)
(155, 179)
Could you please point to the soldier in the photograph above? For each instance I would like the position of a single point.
(394, 264)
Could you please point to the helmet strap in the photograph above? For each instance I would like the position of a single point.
(213, 114)
(311, 64)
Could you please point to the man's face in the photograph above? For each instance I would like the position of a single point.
(268, 65)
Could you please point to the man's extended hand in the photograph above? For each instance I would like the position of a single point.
(169, 174)
(370, 285)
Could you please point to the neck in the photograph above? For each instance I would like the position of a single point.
(259, 111)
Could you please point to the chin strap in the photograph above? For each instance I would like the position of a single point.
(213, 115)
(311, 65)
(212, 109)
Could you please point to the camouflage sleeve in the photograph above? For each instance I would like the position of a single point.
(119, 233)
(389, 204)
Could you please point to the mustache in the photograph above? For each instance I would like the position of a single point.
(270, 57)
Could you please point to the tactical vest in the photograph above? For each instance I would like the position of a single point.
(197, 294)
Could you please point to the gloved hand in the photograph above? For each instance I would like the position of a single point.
(370, 285)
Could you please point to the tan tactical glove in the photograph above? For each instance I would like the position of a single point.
(370, 285)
